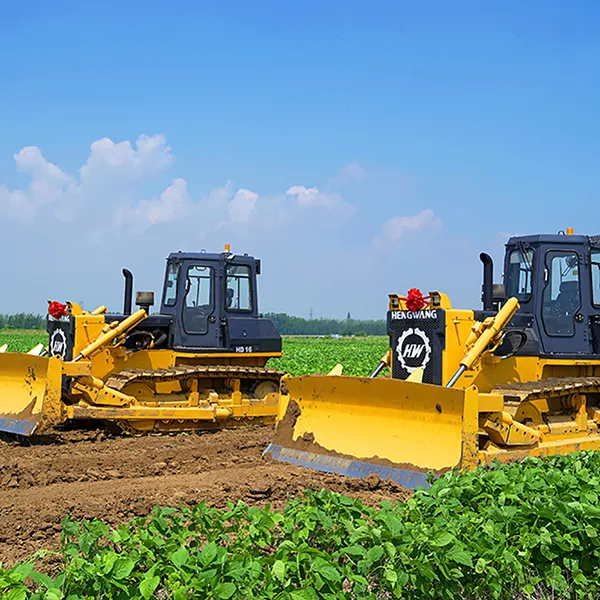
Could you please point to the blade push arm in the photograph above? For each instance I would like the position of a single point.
(482, 335)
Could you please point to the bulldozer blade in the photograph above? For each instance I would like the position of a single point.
(30, 393)
(354, 426)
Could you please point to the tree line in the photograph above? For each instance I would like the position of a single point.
(22, 321)
(285, 324)
(288, 325)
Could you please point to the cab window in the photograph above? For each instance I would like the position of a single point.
(520, 269)
(595, 261)
(238, 292)
(171, 284)
(561, 299)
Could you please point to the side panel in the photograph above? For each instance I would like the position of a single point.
(61, 336)
(417, 340)
(244, 335)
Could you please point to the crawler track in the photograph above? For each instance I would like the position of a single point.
(551, 387)
(184, 372)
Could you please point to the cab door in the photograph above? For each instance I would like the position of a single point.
(564, 323)
(198, 323)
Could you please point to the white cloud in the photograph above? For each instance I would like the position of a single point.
(109, 185)
(241, 205)
(151, 155)
(395, 229)
(313, 197)
(109, 166)
(48, 185)
(174, 203)
(350, 173)
(231, 208)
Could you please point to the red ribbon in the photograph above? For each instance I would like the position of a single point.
(415, 300)
(57, 310)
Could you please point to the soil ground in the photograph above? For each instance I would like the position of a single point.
(94, 474)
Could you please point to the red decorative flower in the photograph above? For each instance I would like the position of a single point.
(415, 300)
(56, 309)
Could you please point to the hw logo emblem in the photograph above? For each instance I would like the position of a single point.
(58, 343)
(413, 349)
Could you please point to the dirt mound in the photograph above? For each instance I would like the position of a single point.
(93, 474)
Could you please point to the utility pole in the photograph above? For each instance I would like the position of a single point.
(310, 314)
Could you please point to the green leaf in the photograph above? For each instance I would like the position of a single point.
(53, 594)
(208, 554)
(148, 585)
(591, 531)
(442, 538)
(23, 571)
(328, 572)
(225, 590)
(123, 568)
(529, 589)
(390, 549)
(460, 556)
(42, 579)
(480, 565)
(548, 553)
(279, 570)
(108, 562)
(16, 594)
(180, 557)
(375, 553)
(355, 551)
(302, 595)
(287, 545)
(391, 575)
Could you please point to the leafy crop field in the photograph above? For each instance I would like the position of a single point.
(514, 531)
(302, 355)
(22, 340)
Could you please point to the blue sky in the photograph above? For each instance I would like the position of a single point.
(356, 148)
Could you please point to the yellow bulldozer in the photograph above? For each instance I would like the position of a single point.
(198, 364)
(519, 378)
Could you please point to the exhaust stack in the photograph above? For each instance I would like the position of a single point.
(128, 300)
(487, 296)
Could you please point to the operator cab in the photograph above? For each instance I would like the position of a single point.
(556, 279)
(213, 300)
(209, 304)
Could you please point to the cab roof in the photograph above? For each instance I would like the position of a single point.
(208, 256)
(556, 238)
